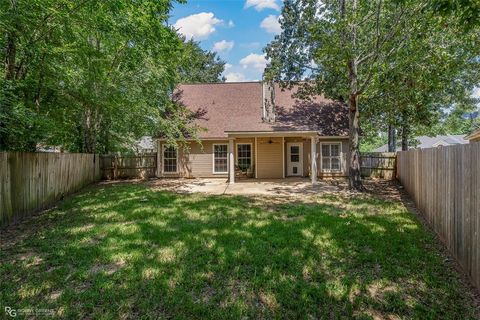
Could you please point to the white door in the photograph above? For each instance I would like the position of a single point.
(295, 159)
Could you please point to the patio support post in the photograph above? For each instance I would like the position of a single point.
(231, 162)
(313, 160)
(256, 153)
(283, 157)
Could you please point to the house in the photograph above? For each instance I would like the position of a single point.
(474, 136)
(264, 131)
(431, 142)
(144, 145)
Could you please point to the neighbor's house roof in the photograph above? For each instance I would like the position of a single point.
(474, 136)
(145, 142)
(432, 142)
(237, 107)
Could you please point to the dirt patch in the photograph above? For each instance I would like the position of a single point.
(108, 269)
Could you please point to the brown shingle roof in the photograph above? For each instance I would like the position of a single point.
(238, 107)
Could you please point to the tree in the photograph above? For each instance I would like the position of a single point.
(467, 12)
(342, 45)
(425, 77)
(92, 76)
(403, 61)
(200, 66)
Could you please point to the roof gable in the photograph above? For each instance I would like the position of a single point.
(237, 107)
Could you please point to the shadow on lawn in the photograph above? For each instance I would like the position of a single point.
(127, 251)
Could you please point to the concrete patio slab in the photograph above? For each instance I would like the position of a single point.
(268, 187)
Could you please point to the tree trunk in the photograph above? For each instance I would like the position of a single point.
(10, 56)
(392, 139)
(405, 137)
(10, 61)
(88, 138)
(355, 179)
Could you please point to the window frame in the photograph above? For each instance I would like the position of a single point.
(213, 158)
(164, 147)
(330, 157)
(251, 152)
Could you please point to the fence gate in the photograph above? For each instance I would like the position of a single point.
(380, 165)
(142, 166)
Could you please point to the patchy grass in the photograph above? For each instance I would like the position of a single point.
(127, 251)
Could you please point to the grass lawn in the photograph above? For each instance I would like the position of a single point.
(130, 251)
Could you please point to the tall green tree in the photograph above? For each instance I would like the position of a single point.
(91, 75)
(342, 45)
(200, 66)
(348, 49)
(432, 73)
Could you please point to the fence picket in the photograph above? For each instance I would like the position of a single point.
(445, 185)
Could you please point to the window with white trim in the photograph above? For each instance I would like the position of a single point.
(220, 158)
(170, 157)
(331, 157)
(244, 155)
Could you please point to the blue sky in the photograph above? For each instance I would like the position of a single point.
(237, 30)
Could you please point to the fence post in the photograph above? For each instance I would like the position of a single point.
(115, 167)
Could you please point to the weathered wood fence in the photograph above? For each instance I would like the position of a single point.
(33, 181)
(445, 185)
(379, 165)
(127, 167)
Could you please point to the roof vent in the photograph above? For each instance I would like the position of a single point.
(268, 103)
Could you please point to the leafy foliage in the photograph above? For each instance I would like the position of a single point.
(91, 76)
(393, 62)
(202, 66)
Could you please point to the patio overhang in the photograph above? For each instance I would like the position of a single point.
(244, 134)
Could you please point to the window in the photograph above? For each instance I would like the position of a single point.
(330, 157)
(244, 155)
(170, 156)
(220, 158)
(294, 154)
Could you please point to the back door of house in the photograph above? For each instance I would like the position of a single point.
(294, 159)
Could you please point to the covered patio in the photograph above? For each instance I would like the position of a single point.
(274, 155)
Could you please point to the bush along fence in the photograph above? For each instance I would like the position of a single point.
(445, 185)
(142, 166)
(34, 181)
(380, 165)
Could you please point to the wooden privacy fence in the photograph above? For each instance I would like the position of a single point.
(125, 167)
(378, 165)
(445, 185)
(33, 181)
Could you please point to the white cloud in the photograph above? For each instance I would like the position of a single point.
(235, 77)
(259, 5)
(271, 24)
(253, 60)
(223, 45)
(198, 26)
(227, 66)
(251, 45)
(231, 24)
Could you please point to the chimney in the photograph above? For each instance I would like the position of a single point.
(268, 103)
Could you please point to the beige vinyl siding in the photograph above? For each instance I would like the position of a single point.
(198, 162)
(269, 158)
